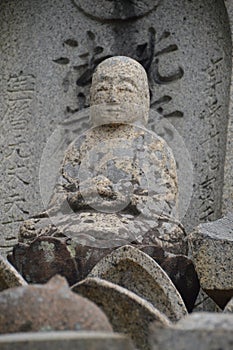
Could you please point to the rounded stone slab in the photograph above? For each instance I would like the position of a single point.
(211, 246)
(49, 307)
(65, 340)
(126, 311)
(202, 331)
(43, 258)
(138, 272)
(9, 277)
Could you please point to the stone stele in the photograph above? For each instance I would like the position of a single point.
(9, 276)
(64, 340)
(132, 269)
(211, 247)
(127, 312)
(203, 331)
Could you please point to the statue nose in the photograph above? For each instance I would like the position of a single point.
(113, 98)
(112, 95)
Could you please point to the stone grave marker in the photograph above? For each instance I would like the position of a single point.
(139, 273)
(126, 311)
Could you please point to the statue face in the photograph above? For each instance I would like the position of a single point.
(115, 87)
(120, 90)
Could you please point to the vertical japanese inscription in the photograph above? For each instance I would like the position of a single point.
(151, 54)
(211, 158)
(16, 151)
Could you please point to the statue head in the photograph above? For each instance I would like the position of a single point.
(119, 92)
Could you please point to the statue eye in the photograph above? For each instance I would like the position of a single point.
(127, 87)
(102, 88)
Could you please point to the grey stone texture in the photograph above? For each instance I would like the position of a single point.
(205, 304)
(64, 340)
(211, 246)
(139, 273)
(49, 307)
(203, 331)
(46, 67)
(229, 307)
(9, 276)
(126, 311)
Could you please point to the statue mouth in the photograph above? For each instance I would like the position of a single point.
(115, 107)
(118, 112)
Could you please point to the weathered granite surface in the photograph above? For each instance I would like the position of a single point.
(203, 331)
(211, 247)
(43, 257)
(9, 276)
(49, 307)
(48, 62)
(126, 311)
(139, 273)
(64, 340)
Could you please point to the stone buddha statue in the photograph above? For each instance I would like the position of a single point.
(117, 184)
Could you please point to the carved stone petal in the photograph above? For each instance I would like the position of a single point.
(132, 269)
(126, 311)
